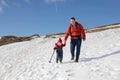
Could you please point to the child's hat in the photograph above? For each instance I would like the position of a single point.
(60, 40)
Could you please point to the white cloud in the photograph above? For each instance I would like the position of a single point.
(2, 5)
(52, 1)
(28, 1)
(1, 10)
(55, 3)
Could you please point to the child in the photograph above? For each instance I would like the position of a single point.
(58, 47)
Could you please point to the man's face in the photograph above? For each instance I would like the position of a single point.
(72, 21)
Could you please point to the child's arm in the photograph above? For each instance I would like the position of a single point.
(56, 46)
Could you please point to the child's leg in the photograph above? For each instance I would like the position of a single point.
(57, 57)
(61, 57)
(60, 54)
(56, 60)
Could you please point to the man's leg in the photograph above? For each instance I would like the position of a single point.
(72, 48)
(78, 50)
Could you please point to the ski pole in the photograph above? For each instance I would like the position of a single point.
(51, 56)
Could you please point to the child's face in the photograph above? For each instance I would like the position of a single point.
(59, 44)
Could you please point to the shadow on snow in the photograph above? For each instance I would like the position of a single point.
(100, 57)
(94, 58)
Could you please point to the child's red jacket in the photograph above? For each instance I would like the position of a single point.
(57, 46)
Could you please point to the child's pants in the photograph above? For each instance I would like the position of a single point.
(59, 54)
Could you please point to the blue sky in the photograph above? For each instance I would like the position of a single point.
(27, 17)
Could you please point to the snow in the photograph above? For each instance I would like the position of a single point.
(99, 59)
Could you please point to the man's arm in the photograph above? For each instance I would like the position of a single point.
(83, 34)
(67, 34)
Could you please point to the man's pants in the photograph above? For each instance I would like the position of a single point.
(75, 44)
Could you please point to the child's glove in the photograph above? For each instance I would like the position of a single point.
(54, 48)
(64, 45)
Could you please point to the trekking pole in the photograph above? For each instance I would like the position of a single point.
(51, 56)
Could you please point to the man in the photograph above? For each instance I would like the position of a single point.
(77, 33)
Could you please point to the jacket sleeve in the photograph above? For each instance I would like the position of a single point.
(83, 34)
(56, 46)
(67, 33)
(63, 45)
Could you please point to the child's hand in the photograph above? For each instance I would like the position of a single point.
(54, 48)
(65, 44)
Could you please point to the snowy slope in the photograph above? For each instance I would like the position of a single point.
(99, 60)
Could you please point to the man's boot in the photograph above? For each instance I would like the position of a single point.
(72, 58)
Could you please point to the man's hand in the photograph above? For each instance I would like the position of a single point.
(84, 39)
(64, 41)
